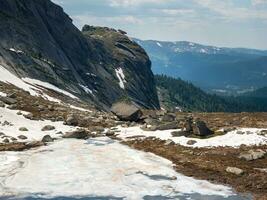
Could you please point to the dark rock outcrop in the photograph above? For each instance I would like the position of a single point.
(200, 128)
(98, 65)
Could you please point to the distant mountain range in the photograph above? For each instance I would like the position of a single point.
(214, 69)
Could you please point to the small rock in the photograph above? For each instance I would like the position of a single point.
(71, 120)
(2, 105)
(191, 142)
(234, 170)
(252, 155)
(12, 95)
(169, 142)
(179, 133)
(23, 129)
(8, 100)
(47, 138)
(78, 134)
(48, 128)
(19, 113)
(6, 140)
(167, 118)
(168, 126)
(110, 133)
(29, 116)
(22, 137)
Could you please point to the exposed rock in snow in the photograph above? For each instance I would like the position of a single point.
(10, 124)
(99, 168)
(250, 136)
(121, 77)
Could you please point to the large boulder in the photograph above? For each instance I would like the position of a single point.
(8, 100)
(126, 111)
(200, 128)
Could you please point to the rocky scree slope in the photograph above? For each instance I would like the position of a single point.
(39, 41)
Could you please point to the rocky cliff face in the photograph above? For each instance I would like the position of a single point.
(99, 65)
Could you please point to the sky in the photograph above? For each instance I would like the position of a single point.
(224, 23)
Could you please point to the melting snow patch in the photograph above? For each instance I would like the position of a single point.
(16, 51)
(121, 77)
(90, 74)
(3, 94)
(99, 168)
(10, 123)
(249, 136)
(159, 44)
(48, 86)
(8, 77)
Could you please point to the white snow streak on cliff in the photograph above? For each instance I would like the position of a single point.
(121, 77)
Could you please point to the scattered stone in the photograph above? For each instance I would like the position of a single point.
(263, 133)
(167, 118)
(29, 116)
(12, 95)
(6, 140)
(12, 107)
(59, 133)
(234, 170)
(19, 113)
(168, 126)
(78, 134)
(169, 142)
(71, 120)
(22, 137)
(200, 128)
(23, 129)
(110, 133)
(8, 100)
(126, 111)
(179, 133)
(191, 142)
(13, 139)
(48, 128)
(252, 155)
(47, 138)
(2, 105)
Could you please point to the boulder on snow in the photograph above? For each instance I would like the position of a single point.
(78, 134)
(48, 128)
(47, 138)
(200, 128)
(126, 111)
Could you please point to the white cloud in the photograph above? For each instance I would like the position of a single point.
(106, 21)
(177, 11)
(258, 2)
(230, 12)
